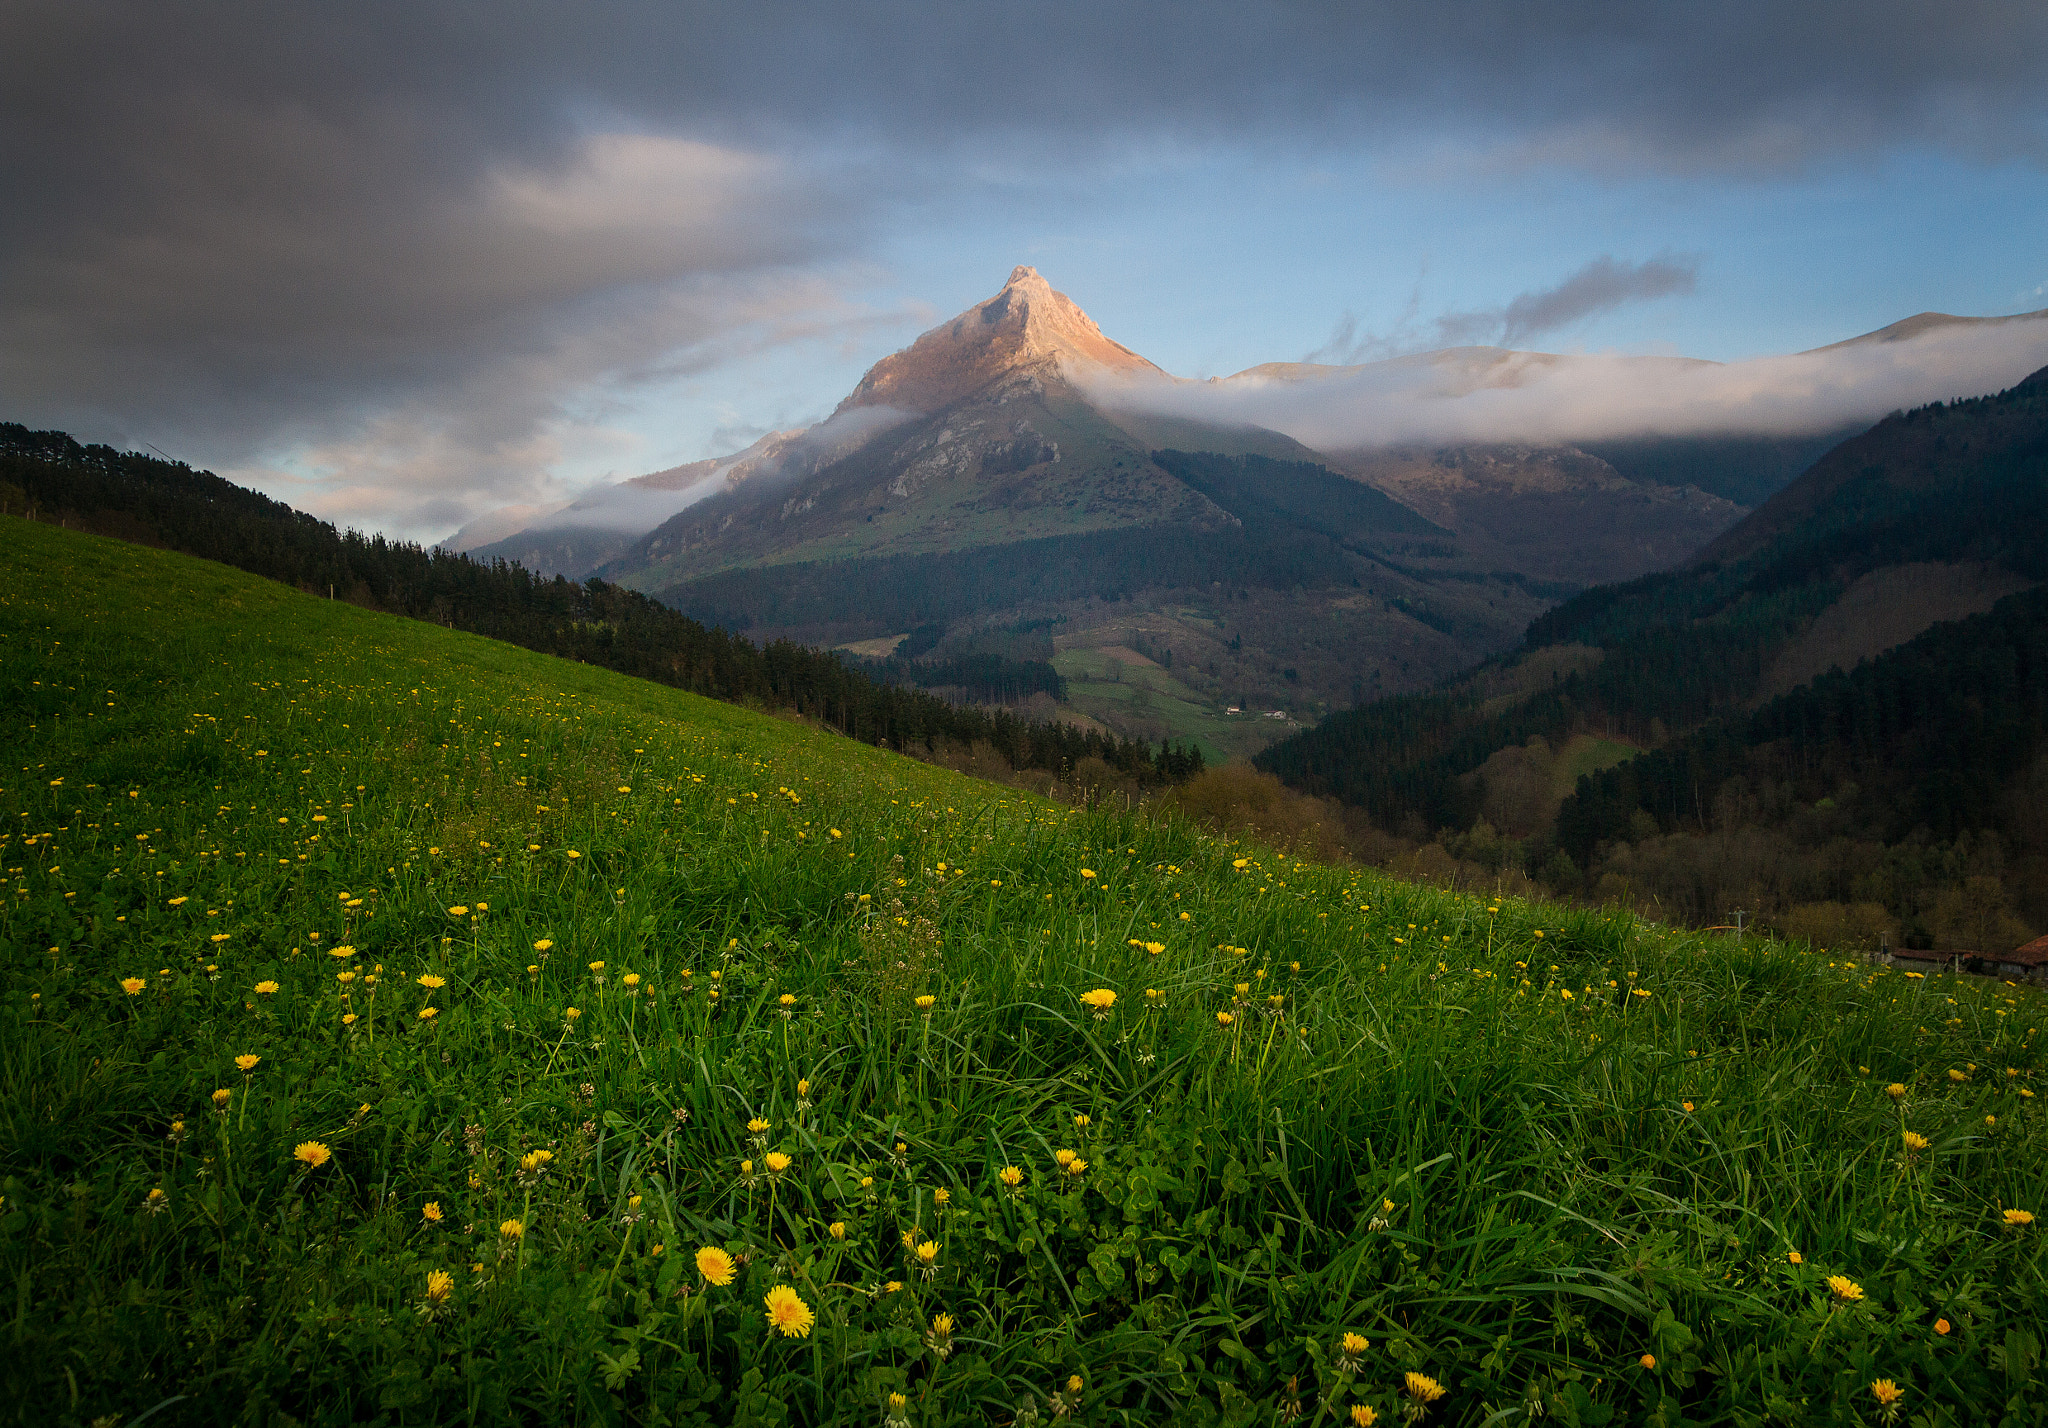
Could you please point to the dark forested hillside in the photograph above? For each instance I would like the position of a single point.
(1297, 524)
(1903, 559)
(49, 476)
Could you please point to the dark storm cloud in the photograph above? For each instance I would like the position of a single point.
(237, 226)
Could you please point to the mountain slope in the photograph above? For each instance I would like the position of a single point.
(1926, 536)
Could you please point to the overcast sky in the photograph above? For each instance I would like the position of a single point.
(399, 264)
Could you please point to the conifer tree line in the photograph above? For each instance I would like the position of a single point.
(46, 475)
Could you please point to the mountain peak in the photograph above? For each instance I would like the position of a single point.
(1025, 327)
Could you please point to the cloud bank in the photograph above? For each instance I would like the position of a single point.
(402, 257)
(1486, 395)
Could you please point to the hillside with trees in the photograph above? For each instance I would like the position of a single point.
(48, 476)
(1892, 792)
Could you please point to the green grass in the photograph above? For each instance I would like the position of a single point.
(1128, 696)
(1515, 1147)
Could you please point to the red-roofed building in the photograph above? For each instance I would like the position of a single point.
(2022, 964)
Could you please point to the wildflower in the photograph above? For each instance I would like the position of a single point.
(1423, 1389)
(940, 1340)
(571, 1013)
(926, 1003)
(179, 901)
(777, 1162)
(597, 966)
(544, 944)
(1686, 1106)
(440, 1284)
(1064, 1157)
(429, 1013)
(266, 988)
(715, 1265)
(1349, 1348)
(1082, 1122)
(1224, 1018)
(1795, 1257)
(1897, 1090)
(1845, 1289)
(894, 1286)
(1087, 873)
(1942, 1326)
(534, 1164)
(942, 1197)
(928, 1254)
(512, 1229)
(2018, 1219)
(1648, 1361)
(431, 1212)
(1077, 1166)
(757, 1126)
(1363, 1416)
(1154, 995)
(786, 1000)
(1887, 1395)
(1011, 1177)
(313, 1153)
(246, 1063)
(1915, 1142)
(1101, 999)
(574, 854)
(133, 985)
(837, 1229)
(431, 982)
(156, 1201)
(458, 911)
(1955, 1075)
(788, 1315)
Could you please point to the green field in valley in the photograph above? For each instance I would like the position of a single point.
(398, 1027)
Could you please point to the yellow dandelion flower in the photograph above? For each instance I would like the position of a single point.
(1794, 1257)
(156, 1201)
(926, 1003)
(1101, 999)
(133, 985)
(266, 988)
(837, 1229)
(597, 966)
(715, 1265)
(1897, 1090)
(1011, 1176)
(544, 944)
(246, 1063)
(431, 982)
(1224, 1018)
(942, 1196)
(928, 1253)
(1353, 1344)
(788, 1315)
(757, 1126)
(1845, 1289)
(1956, 1075)
(2018, 1219)
(429, 1013)
(512, 1229)
(431, 1212)
(777, 1162)
(1422, 1388)
(1064, 1157)
(1087, 872)
(313, 1153)
(1886, 1392)
(1941, 1326)
(1077, 1166)
(1648, 1361)
(1914, 1141)
(458, 911)
(1363, 1415)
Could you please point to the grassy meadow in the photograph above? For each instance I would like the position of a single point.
(398, 1027)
